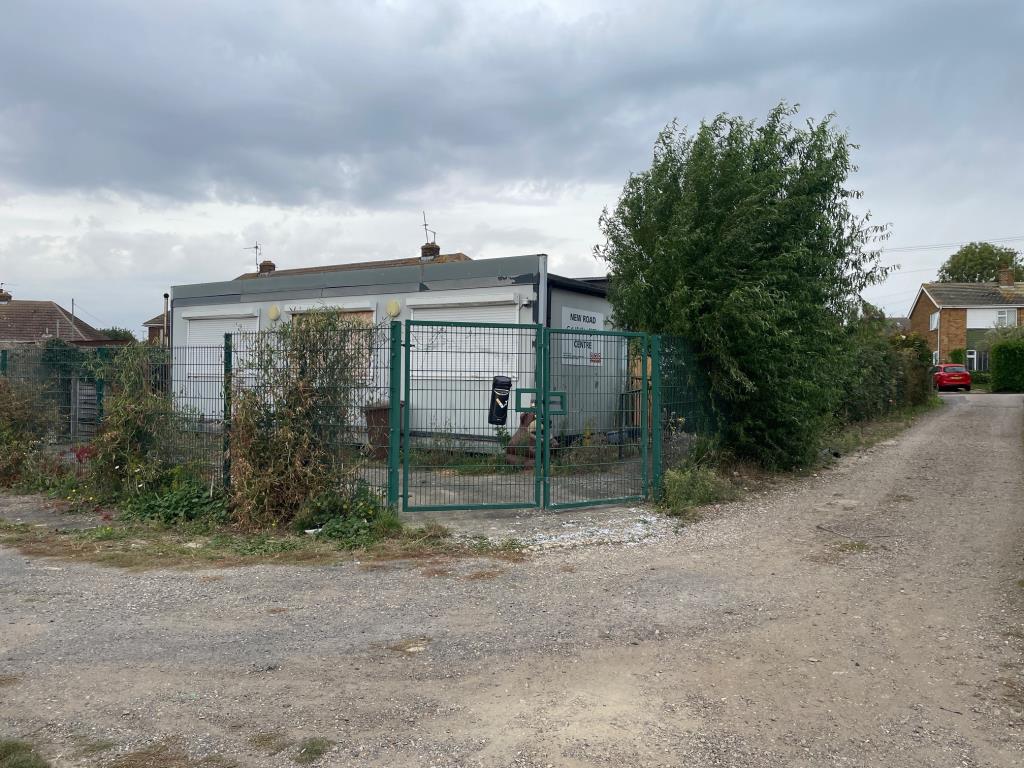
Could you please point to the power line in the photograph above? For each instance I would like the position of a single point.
(80, 308)
(939, 246)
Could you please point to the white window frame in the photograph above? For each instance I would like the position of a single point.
(935, 357)
(972, 360)
(933, 321)
(1003, 317)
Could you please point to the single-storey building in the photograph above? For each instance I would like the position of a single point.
(451, 370)
(954, 316)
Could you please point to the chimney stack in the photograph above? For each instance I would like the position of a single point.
(1006, 277)
(429, 251)
(5, 296)
(267, 267)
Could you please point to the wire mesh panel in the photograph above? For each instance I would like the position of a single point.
(597, 417)
(685, 411)
(62, 380)
(193, 378)
(456, 456)
(329, 380)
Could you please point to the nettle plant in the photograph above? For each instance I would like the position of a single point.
(298, 395)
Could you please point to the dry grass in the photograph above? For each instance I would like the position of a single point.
(144, 547)
(6, 680)
(92, 747)
(312, 749)
(271, 742)
(20, 754)
(485, 575)
(163, 754)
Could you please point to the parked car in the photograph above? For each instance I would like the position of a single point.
(951, 376)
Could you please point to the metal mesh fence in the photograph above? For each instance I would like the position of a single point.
(455, 458)
(590, 417)
(686, 413)
(63, 383)
(599, 416)
(330, 384)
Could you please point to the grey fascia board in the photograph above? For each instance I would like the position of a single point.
(577, 286)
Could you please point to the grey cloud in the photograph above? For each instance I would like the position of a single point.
(363, 103)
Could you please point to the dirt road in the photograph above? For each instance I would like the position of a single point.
(870, 616)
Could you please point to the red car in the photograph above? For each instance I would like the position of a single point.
(951, 376)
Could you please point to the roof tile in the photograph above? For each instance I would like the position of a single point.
(26, 322)
(975, 294)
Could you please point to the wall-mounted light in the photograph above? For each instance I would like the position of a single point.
(393, 308)
(274, 313)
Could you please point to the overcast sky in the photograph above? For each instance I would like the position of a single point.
(144, 145)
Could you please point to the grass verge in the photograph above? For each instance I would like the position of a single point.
(713, 476)
(143, 546)
(857, 437)
(20, 754)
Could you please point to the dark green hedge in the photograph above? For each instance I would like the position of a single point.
(1006, 363)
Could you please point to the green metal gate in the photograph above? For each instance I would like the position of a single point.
(579, 427)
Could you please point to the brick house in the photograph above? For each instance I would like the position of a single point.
(34, 322)
(958, 315)
(155, 328)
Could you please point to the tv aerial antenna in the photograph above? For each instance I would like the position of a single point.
(257, 250)
(430, 234)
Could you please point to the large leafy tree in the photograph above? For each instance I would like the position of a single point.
(979, 263)
(740, 238)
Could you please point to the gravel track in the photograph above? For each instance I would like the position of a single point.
(867, 616)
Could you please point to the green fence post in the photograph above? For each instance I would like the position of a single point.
(645, 424)
(405, 416)
(543, 417)
(656, 415)
(539, 365)
(226, 468)
(394, 412)
(100, 384)
(3, 362)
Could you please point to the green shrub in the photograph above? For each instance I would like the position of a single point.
(740, 238)
(1006, 364)
(958, 356)
(981, 378)
(294, 423)
(693, 486)
(352, 518)
(884, 371)
(24, 422)
(185, 501)
(131, 454)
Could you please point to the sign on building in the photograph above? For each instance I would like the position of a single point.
(579, 348)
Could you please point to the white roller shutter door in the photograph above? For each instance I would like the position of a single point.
(209, 331)
(199, 362)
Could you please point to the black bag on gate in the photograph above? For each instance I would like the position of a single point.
(497, 414)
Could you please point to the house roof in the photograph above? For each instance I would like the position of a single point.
(155, 321)
(444, 258)
(975, 294)
(26, 322)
